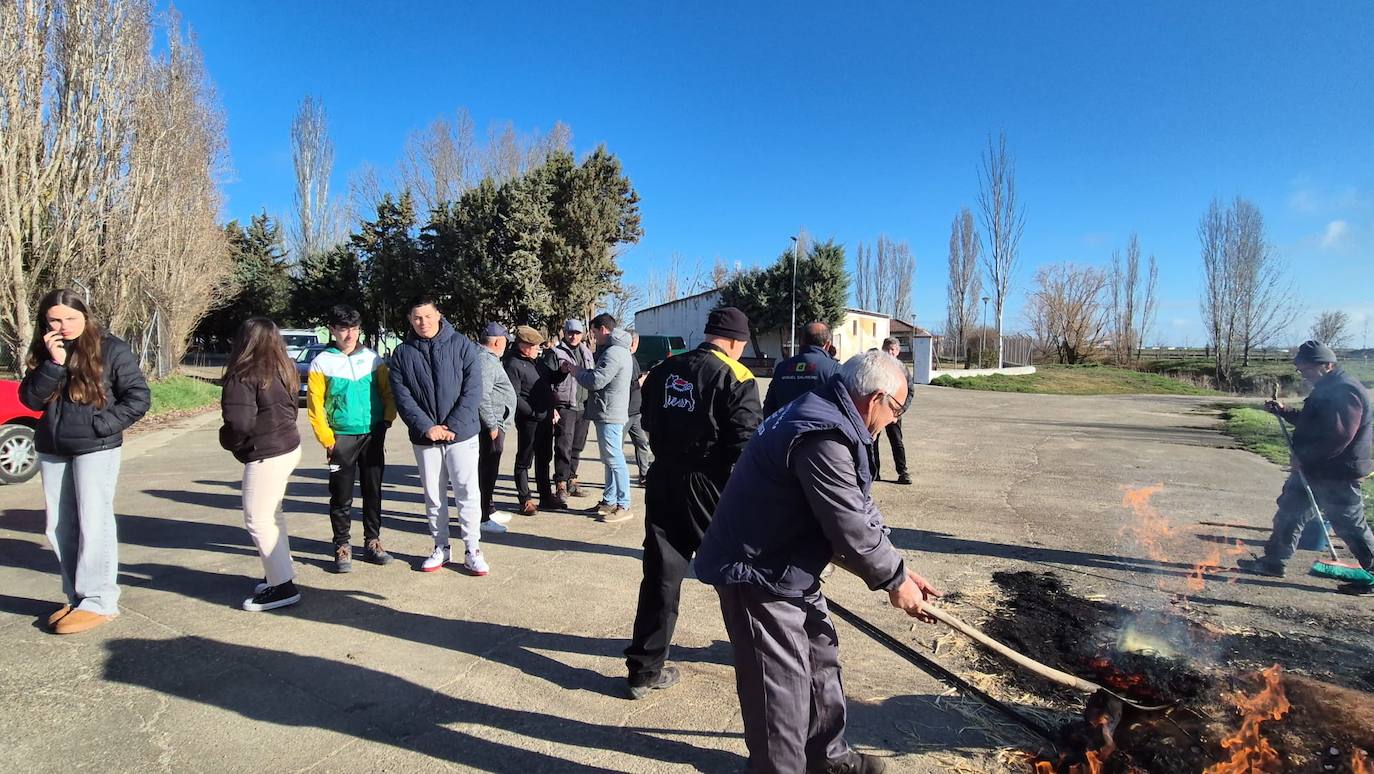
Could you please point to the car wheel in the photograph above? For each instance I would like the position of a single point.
(18, 455)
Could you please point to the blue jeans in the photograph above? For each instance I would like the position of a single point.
(80, 494)
(610, 438)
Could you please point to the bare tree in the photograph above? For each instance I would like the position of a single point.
(505, 154)
(965, 283)
(365, 191)
(1148, 306)
(558, 139)
(900, 268)
(1065, 311)
(312, 152)
(1332, 328)
(1248, 297)
(1003, 220)
(108, 166)
(865, 278)
(622, 302)
(720, 273)
(439, 161)
(1124, 288)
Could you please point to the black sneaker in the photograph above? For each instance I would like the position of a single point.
(343, 558)
(373, 552)
(904, 479)
(1262, 565)
(1357, 589)
(853, 763)
(667, 677)
(273, 597)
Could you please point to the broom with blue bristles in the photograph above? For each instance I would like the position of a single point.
(1336, 569)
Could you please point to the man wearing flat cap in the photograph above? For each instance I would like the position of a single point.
(534, 375)
(496, 414)
(1332, 448)
(700, 408)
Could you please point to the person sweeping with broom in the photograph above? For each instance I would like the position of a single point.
(1332, 448)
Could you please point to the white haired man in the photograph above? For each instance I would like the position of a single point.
(799, 496)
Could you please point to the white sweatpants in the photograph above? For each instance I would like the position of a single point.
(453, 464)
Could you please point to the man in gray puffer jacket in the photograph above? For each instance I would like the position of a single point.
(609, 409)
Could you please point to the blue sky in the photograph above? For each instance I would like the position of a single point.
(741, 123)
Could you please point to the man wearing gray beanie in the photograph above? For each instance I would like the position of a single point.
(1332, 447)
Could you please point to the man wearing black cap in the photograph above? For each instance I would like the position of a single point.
(1332, 447)
(700, 408)
(496, 413)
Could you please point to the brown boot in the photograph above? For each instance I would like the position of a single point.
(58, 615)
(560, 495)
(78, 621)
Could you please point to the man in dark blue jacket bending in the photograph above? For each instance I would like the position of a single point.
(798, 498)
(436, 378)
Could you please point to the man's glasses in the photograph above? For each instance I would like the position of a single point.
(897, 409)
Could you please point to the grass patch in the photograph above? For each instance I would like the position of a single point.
(1258, 431)
(181, 393)
(1077, 380)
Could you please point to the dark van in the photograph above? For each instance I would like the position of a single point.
(655, 349)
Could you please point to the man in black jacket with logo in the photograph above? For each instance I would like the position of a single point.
(1332, 447)
(804, 371)
(700, 409)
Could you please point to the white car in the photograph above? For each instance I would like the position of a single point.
(298, 339)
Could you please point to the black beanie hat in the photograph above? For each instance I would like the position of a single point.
(727, 322)
(1313, 351)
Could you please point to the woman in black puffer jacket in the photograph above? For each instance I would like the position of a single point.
(89, 388)
(259, 407)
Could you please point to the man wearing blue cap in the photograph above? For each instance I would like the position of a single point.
(496, 413)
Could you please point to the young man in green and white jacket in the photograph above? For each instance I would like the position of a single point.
(349, 404)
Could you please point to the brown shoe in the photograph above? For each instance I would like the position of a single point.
(560, 495)
(58, 615)
(527, 508)
(78, 621)
(574, 490)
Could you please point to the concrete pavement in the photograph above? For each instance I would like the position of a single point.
(390, 669)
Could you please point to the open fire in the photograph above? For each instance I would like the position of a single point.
(1251, 752)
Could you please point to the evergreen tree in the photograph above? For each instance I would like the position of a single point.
(593, 209)
(485, 249)
(261, 278)
(392, 269)
(822, 284)
(323, 280)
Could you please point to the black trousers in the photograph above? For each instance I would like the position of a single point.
(894, 439)
(678, 505)
(533, 445)
(488, 464)
(362, 458)
(569, 439)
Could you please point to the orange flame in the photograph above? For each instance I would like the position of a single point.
(1359, 763)
(1197, 578)
(1251, 753)
(1094, 765)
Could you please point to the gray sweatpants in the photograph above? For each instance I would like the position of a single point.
(81, 526)
(1342, 504)
(787, 675)
(451, 464)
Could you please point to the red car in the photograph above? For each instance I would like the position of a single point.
(18, 457)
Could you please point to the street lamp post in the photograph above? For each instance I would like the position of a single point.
(983, 333)
(793, 347)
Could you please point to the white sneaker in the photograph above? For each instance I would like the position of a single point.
(475, 564)
(494, 527)
(501, 517)
(438, 559)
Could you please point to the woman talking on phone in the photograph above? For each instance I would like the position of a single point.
(90, 389)
(261, 385)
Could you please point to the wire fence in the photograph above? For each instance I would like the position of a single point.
(1017, 350)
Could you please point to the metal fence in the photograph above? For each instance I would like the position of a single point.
(1017, 350)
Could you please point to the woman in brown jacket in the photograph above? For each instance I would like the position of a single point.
(259, 407)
